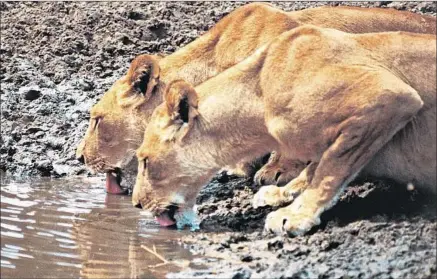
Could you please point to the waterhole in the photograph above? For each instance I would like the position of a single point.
(58, 228)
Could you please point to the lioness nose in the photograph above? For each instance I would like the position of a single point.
(81, 159)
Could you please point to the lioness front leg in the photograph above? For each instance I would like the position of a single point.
(279, 170)
(359, 137)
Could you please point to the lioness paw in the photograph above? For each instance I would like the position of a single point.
(266, 176)
(275, 196)
(278, 171)
(285, 221)
(267, 195)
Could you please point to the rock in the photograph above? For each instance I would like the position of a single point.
(32, 130)
(246, 258)
(44, 167)
(275, 244)
(242, 274)
(39, 134)
(61, 169)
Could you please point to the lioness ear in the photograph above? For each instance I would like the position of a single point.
(181, 101)
(144, 74)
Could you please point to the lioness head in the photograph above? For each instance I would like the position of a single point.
(169, 171)
(118, 121)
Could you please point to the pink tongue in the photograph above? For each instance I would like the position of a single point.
(112, 186)
(164, 220)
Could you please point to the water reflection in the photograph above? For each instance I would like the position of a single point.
(71, 228)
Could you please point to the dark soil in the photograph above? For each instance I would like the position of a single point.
(377, 230)
(380, 247)
(58, 58)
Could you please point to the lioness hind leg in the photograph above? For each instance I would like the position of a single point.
(278, 170)
(359, 137)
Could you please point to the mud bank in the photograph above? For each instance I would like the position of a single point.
(57, 59)
(377, 230)
(377, 248)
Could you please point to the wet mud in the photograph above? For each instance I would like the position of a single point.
(377, 230)
(57, 59)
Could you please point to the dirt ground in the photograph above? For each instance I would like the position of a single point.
(58, 58)
(377, 230)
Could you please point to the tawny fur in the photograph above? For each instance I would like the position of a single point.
(347, 103)
(123, 112)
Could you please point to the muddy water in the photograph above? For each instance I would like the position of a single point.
(71, 228)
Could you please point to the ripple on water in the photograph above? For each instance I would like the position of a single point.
(17, 202)
(71, 228)
(6, 264)
(12, 234)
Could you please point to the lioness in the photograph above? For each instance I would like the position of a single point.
(347, 103)
(119, 119)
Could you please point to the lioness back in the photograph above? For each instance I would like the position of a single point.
(259, 23)
(366, 19)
